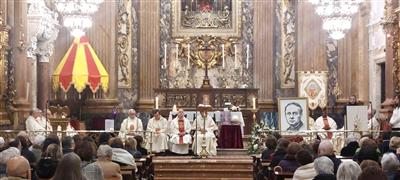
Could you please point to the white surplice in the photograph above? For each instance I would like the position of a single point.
(160, 139)
(180, 144)
(126, 124)
(208, 136)
(37, 126)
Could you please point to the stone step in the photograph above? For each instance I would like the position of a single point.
(231, 152)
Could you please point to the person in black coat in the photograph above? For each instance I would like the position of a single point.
(280, 152)
(350, 149)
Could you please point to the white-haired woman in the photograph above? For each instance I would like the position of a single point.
(324, 168)
(348, 170)
(390, 165)
(111, 170)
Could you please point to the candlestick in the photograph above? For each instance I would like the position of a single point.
(177, 52)
(223, 55)
(247, 56)
(254, 103)
(156, 102)
(234, 55)
(165, 55)
(188, 58)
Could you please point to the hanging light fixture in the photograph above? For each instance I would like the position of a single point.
(76, 14)
(336, 15)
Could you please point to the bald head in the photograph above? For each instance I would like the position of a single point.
(18, 167)
(325, 148)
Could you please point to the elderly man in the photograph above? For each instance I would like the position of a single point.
(131, 125)
(326, 149)
(293, 114)
(157, 126)
(204, 132)
(18, 168)
(324, 168)
(180, 134)
(111, 170)
(36, 124)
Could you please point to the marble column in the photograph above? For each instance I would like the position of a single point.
(43, 88)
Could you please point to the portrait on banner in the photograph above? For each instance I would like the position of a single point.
(313, 86)
(293, 114)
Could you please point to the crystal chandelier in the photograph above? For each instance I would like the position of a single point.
(77, 14)
(336, 15)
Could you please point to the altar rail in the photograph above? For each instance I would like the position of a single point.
(190, 98)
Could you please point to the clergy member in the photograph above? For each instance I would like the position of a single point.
(157, 126)
(180, 134)
(395, 119)
(36, 124)
(325, 123)
(131, 125)
(205, 128)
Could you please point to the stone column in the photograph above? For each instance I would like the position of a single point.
(149, 53)
(43, 87)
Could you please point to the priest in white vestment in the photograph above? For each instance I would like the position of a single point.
(326, 123)
(131, 126)
(36, 124)
(157, 126)
(374, 124)
(204, 132)
(180, 134)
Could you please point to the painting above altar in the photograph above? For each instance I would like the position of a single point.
(212, 17)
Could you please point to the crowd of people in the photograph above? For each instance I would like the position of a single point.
(71, 158)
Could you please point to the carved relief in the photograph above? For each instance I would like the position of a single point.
(332, 62)
(124, 44)
(288, 44)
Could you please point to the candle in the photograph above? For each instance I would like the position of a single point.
(234, 55)
(254, 103)
(223, 55)
(247, 56)
(177, 51)
(156, 102)
(165, 55)
(188, 58)
(27, 91)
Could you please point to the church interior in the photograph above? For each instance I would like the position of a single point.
(200, 89)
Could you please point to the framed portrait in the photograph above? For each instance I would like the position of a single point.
(212, 17)
(293, 114)
(356, 118)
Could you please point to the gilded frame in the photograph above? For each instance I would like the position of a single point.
(282, 102)
(179, 31)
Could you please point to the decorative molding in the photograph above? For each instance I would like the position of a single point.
(124, 44)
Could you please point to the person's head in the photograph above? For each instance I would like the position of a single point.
(139, 140)
(348, 170)
(304, 157)
(104, 152)
(397, 100)
(24, 134)
(18, 167)
(36, 112)
(156, 114)
(293, 113)
(292, 149)
(389, 162)
(325, 148)
(394, 142)
(181, 113)
(132, 113)
(23, 141)
(270, 142)
(69, 168)
(51, 139)
(116, 143)
(283, 144)
(372, 173)
(85, 151)
(77, 139)
(353, 100)
(323, 165)
(369, 144)
(68, 143)
(130, 144)
(369, 163)
(53, 151)
(15, 143)
(315, 145)
(104, 138)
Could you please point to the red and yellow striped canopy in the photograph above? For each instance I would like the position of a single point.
(80, 66)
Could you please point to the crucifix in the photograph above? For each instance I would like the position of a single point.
(206, 55)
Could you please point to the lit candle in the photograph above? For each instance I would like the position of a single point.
(165, 55)
(177, 51)
(188, 58)
(223, 55)
(254, 103)
(156, 102)
(234, 55)
(247, 56)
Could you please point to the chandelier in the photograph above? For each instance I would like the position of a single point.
(336, 15)
(76, 14)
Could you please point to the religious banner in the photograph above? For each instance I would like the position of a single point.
(313, 86)
(212, 17)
